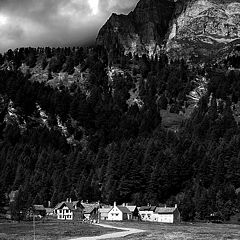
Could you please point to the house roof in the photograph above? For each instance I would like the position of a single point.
(49, 210)
(131, 208)
(39, 208)
(89, 207)
(105, 210)
(70, 205)
(123, 209)
(165, 210)
(147, 208)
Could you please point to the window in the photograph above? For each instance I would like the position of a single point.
(112, 214)
(116, 214)
(149, 215)
(66, 211)
(60, 211)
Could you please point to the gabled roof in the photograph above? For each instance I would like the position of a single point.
(89, 207)
(147, 208)
(39, 208)
(165, 210)
(131, 208)
(105, 210)
(70, 205)
(123, 209)
(49, 210)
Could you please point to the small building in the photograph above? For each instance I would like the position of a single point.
(167, 214)
(134, 211)
(119, 213)
(103, 213)
(90, 210)
(49, 211)
(36, 211)
(147, 213)
(69, 210)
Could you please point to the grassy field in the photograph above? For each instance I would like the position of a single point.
(184, 231)
(56, 230)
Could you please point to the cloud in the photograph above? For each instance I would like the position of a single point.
(55, 22)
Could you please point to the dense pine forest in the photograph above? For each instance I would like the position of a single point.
(120, 151)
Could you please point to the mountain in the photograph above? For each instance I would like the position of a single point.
(142, 30)
(204, 28)
(193, 28)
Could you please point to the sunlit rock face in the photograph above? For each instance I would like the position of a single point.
(141, 31)
(204, 28)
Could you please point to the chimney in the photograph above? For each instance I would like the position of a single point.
(67, 200)
(175, 205)
(70, 200)
(82, 201)
(124, 204)
(86, 201)
(114, 204)
(49, 204)
(165, 205)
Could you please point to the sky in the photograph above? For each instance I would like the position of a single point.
(55, 22)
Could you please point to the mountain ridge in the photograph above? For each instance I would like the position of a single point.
(188, 29)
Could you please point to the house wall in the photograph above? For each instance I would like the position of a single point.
(64, 214)
(115, 214)
(103, 216)
(165, 218)
(148, 216)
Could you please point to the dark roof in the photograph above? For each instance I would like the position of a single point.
(131, 208)
(123, 209)
(147, 208)
(70, 205)
(39, 208)
(165, 210)
(89, 207)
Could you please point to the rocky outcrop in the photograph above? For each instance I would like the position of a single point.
(141, 31)
(183, 28)
(204, 28)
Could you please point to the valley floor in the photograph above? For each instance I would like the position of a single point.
(119, 231)
(183, 231)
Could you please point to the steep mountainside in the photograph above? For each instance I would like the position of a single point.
(142, 30)
(205, 27)
(193, 28)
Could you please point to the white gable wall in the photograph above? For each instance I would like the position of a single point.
(64, 214)
(165, 218)
(115, 214)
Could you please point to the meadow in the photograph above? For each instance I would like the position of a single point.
(49, 230)
(183, 231)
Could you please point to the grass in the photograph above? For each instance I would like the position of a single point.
(183, 231)
(54, 230)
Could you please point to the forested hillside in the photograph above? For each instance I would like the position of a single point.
(120, 151)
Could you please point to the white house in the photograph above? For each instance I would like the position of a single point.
(69, 210)
(103, 213)
(119, 213)
(167, 214)
(147, 213)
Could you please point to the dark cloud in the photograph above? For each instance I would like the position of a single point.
(54, 22)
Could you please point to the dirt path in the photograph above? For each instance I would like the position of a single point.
(125, 232)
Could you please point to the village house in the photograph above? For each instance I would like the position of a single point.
(147, 213)
(37, 211)
(133, 209)
(90, 210)
(69, 210)
(103, 213)
(119, 213)
(167, 214)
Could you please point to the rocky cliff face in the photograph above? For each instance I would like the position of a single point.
(204, 27)
(190, 28)
(142, 31)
